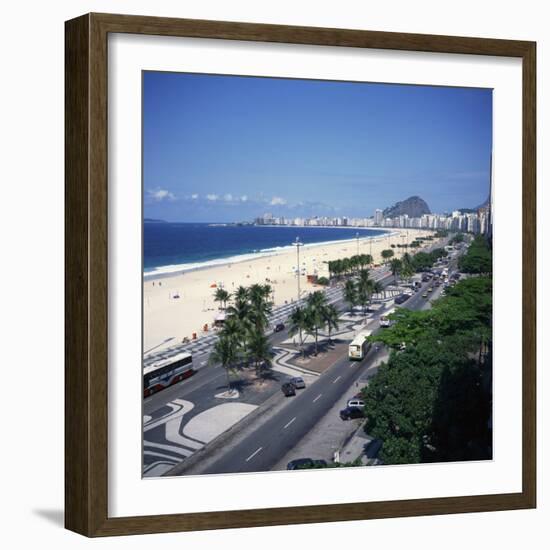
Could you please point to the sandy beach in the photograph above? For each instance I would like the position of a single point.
(179, 305)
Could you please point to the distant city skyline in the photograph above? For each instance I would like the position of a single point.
(228, 149)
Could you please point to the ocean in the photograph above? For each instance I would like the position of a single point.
(174, 247)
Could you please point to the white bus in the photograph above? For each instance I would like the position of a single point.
(360, 345)
(385, 320)
(166, 372)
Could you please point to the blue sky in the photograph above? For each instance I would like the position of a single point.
(227, 148)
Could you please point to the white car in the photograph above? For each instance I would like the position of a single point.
(298, 383)
(354, 402)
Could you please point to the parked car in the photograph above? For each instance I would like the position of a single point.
(279, 327)
(355, 402)
(351, 412)
(424, 295)
(298, 382)
(430, 289)
(303, 463)
(288, 389)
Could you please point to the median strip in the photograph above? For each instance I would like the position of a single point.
(254, 453)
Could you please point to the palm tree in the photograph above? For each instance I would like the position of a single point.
(260, 306)
(331, 318)
(241, 307)
(364, 288)
(350, 294)
(316, 304)
(225, 352)
(259, 350)
(221, 295)
(396, 267)
(375, 287)
(297, 324)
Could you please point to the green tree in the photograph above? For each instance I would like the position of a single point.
(316, 304)
(432, 400)
(365, 287)
(387, 254)
(331, 318)
(396, 267)
(350, 294)
(225, 353)
(297, 324)
(222, 296)
(259, 351)
(478, 258)
(260, 306)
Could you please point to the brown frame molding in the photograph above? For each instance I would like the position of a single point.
(86, 318)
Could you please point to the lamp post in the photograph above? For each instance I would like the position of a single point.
(298, 244)
(357, 241)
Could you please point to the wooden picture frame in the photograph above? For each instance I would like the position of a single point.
(86, 282)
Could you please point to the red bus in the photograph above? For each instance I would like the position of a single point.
(166, 372)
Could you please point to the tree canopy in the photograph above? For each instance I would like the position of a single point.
(432, 400)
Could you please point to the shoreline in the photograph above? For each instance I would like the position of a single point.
(166, 271)
(179, 304)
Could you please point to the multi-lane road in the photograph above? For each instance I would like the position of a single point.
(166, 414)
(263, 447)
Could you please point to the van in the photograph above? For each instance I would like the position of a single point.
(354, 402)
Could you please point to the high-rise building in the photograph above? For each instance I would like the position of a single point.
(378, 217)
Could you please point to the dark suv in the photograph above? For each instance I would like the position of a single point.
(351, 412)
(288, 389)
(401, 298)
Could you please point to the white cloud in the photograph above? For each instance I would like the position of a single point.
(195, 196)
(244, 198)
(212, 197)
(159, 194)
(277, 201)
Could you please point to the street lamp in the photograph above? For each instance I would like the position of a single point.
(357, 241)
(298, 244)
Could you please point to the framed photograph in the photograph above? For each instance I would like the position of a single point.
(300, 274)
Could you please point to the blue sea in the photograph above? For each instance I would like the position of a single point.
(175, 247)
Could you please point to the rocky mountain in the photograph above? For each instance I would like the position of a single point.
(414, 207)
(485, 204)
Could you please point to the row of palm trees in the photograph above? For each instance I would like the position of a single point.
(242, 340)
(359, 292)
(349, 266)
(316, 314)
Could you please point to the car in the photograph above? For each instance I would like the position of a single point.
(298, 382)
(306, 463)
(430, 289)
(351, 412)
(279, 327)
(438, 283)
(356, 402)
(288, 389)
(424, 295)
(401, 298)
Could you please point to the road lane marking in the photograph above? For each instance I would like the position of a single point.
(336, 380)
(289, 423)
(318, 397)
(254, 453)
